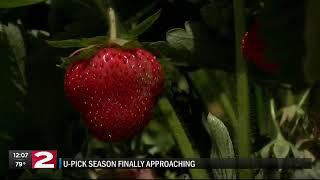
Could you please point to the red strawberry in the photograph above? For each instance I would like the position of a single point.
(253, 49)
(115, 91)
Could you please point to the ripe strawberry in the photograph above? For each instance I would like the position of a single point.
(253, 49)
(115, 91)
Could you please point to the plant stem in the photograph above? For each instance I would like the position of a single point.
(243, 131)
(181, 137)
(112, 25)
(273, 116)
(260, 109)
(304, 97)
(227, 106)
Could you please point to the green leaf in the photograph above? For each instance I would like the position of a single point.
(296, 153)
(18, 3)
(131, 44)
(198, 46)
(265, 151)
(195, 46)
(181, 39)
(16, 43)
(81, 54)
(221, 145)
(13, 89)
(281, 147)
(78, 43)
(144, 25)
(164, 50)
(94, 41)
(12, 75)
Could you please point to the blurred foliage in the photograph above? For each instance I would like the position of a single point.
(313, 173)
(218, 16)
(194, 41)
(195, 46)
(18, 3)
(282, 27)
(312, 39)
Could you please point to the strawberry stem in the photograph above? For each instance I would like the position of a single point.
(112, 25)
(243, 130)
(181, 137)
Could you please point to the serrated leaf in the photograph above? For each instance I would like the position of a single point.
(16, 43)
(94, 41)
(194, 47)
(221, 145)
(78, 43)
(18, 3)
(281, 147)
(179, 38)
(163, 49)
(12, 73)
(144, 25)
(198, 46)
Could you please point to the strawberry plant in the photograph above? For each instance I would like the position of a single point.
(160, 79)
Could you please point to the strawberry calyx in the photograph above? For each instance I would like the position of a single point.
(88, 52)
(112, 41)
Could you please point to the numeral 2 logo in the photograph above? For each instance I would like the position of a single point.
(44, 159)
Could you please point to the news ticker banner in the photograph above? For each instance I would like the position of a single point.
(47, 159)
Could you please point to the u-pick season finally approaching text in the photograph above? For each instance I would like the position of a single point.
(48, 159)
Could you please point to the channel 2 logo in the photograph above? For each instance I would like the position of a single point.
(44, 159)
